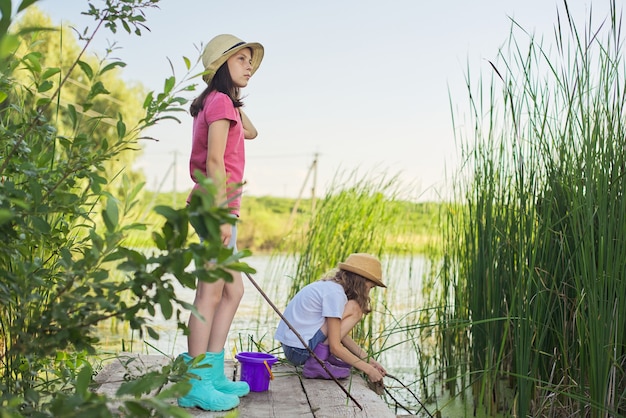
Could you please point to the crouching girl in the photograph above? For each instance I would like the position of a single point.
(324, 312)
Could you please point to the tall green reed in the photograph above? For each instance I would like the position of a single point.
(357, 214)
(361, 217)
(533, 263)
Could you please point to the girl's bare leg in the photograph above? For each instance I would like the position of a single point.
(224, 314)
(207, 300)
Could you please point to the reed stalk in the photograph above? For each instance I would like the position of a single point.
(533, 263)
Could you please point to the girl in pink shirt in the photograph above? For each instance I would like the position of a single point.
(219, 129)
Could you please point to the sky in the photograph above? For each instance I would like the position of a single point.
(368, 87)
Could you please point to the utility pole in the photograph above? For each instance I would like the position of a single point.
(312, 169)
(174, 191)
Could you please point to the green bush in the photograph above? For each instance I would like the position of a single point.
(64, 267)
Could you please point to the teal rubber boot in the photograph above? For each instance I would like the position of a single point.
(221, 382)
(203, 394)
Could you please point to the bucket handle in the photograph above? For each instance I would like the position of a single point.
(269, 369)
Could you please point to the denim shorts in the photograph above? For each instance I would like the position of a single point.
(298, 356)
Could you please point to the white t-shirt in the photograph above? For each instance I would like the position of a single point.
(307, 311)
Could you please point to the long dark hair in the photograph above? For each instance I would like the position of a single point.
(222, 82)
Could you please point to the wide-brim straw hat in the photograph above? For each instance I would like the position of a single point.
(222, 47)
(365, 265)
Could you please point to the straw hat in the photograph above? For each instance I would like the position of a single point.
(222, 47)
(364, 265)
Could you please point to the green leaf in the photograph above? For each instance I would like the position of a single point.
(71, 110)
(166, 211)
(8, 45)
(117, 255)
(159, 241)
(44, 101)
(176, 390)
(152, 333)
(5, 216)
(86, 69)
(166, 305)
(83, 380)
(126, 26)
(50, 72)
(33, 59)
(96, 89)
(136, 226)
(136, 409)
(111, 215)
(41, 224)
(5, 9)
(187, 62)
(3, 96)
(136, 256)
(45, 86)
(170, 82)
(148, 100)
(111, 66)
(187, 280)
(25, 3)
(121, 128)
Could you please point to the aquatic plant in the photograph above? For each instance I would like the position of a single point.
(533, 279)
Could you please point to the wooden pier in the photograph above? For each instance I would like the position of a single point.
(289, 394)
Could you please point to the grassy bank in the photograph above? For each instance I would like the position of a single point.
(268, 223)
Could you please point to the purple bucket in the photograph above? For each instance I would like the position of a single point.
(256, 369)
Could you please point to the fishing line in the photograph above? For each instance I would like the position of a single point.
(411, 392)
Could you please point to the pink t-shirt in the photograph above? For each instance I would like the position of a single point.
(219, 106)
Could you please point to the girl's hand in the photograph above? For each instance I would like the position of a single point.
(374, 375)
(378, 367)
(226, 231)
(249, 131)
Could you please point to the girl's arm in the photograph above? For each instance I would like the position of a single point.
(341, 351)
(249, 131)
(216, 171)
(354, 348)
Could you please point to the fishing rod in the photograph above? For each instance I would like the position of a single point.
(304, 343)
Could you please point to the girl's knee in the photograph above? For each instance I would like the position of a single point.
(208, 294)
(234, 291)
(235, 294)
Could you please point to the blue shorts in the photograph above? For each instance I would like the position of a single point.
(298, 356)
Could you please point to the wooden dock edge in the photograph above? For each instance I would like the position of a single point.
(289, 394)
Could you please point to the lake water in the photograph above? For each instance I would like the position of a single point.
(395, 316)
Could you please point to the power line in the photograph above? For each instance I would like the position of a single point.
(274, 156)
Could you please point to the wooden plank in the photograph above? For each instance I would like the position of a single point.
(327, 400)
(285, 397)
(126, 365)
